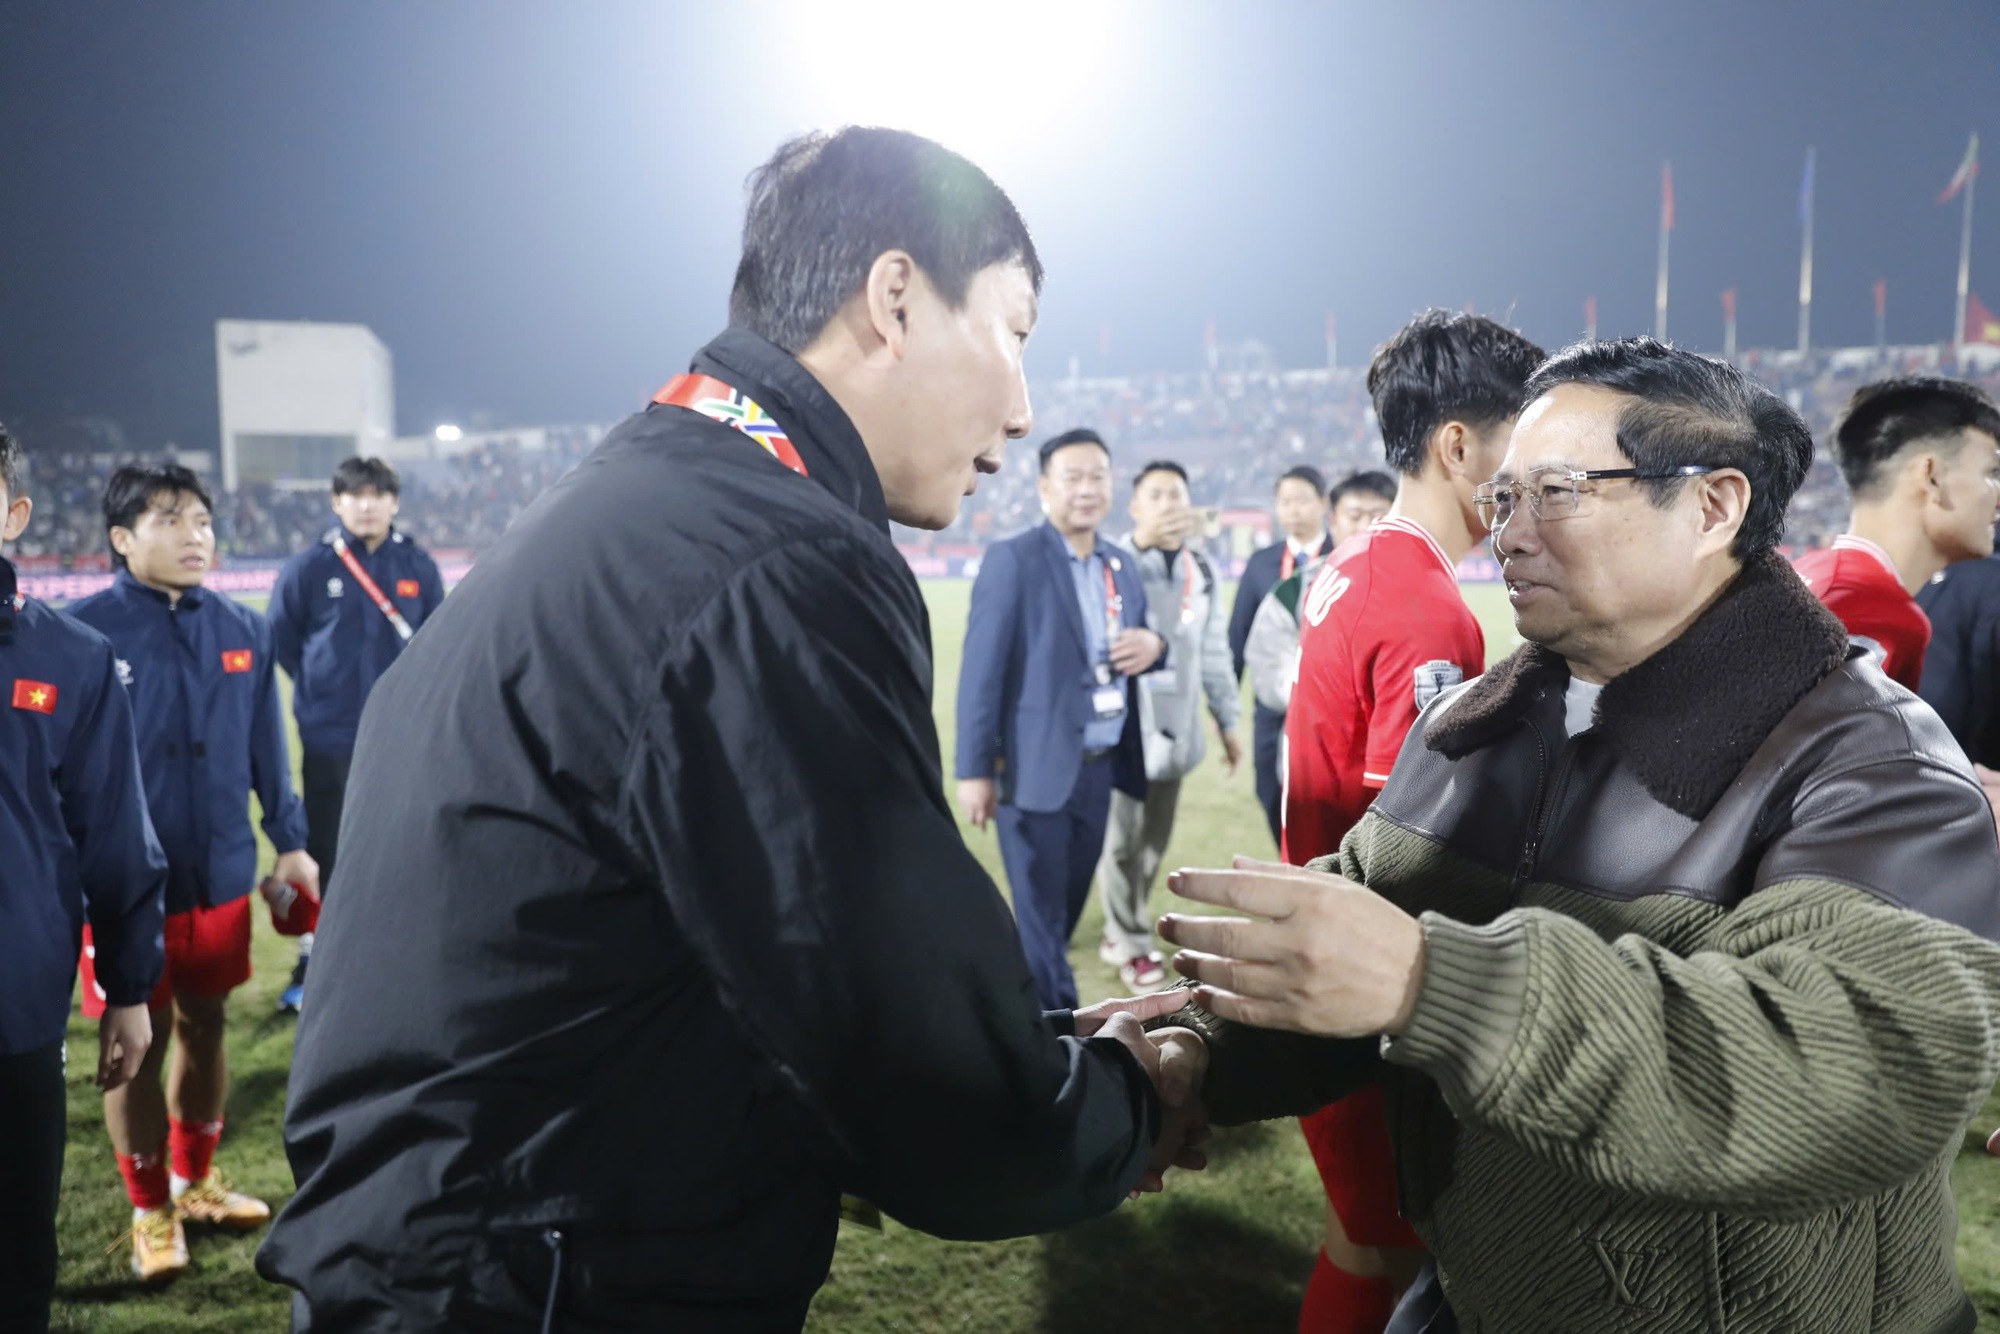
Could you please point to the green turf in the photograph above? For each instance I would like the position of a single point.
(1227, 1250)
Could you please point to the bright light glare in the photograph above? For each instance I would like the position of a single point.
(988, 80)
(447, 433)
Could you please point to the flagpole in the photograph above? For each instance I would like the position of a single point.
(1666, 230)
(1964, 269)
(1805, 262)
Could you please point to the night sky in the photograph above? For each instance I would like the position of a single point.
(535, 205)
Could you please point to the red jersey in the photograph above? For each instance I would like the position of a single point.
(1382, 630)
(1858, 583)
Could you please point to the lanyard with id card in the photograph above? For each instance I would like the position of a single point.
(1107, 691)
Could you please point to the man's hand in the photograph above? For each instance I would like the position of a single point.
(297, 868)
(979, 800)
(1232, 749)
(1175, 1060)
(1136, 649)
(123, 1035)
(1090, 1019)
(1169, 528)
(1333, 958)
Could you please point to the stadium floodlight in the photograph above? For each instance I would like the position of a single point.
(977, 78)
(447, 433)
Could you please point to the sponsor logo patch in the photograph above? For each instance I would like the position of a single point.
(1436, 677)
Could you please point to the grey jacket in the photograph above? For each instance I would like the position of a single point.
(1191, 617)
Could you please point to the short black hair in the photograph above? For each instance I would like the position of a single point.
(1160, 465)
(1691, 409)
(1082, 435)
(1303, 473)
(1884, 418)
(826, 206)
(350, 475)
(135, 486)
(1446, 366)
(1369, 480)
(12, 464)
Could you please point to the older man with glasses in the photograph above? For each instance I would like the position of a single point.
(1671, 938)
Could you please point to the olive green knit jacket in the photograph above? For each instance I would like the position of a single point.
(1710, 991)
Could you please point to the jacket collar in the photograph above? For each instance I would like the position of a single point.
(132, 590)
(819, 428)
(1687, 719)
(356, 545)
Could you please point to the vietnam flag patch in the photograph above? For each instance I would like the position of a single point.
(34, 696)
(236, 660)
(407, 588)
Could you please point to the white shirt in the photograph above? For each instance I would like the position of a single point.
(1578, 702)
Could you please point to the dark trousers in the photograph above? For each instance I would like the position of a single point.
(324, 775)
(33, 1124)
(1424, 1309)
(1269, 730)
(1050, 857)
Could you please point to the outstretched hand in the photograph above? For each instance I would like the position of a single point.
(1329, 957)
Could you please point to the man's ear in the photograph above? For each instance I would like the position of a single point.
(121, 541)
(1451, 443)
(18, 510)
(1725, 504)
(886, 299)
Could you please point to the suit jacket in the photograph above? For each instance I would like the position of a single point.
(1260, 575)
(1963, 602)
(1022, 706)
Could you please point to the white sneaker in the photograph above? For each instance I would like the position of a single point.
(1111, 952)
(1143, 972)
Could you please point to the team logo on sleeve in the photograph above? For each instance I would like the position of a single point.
(334, 587)
(407, 588)
(34, 696)
(236, 660)
(1436, 677)
(124, 670)
(1326, 591)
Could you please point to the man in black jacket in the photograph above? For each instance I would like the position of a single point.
(660, 935)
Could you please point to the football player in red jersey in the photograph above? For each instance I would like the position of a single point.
(1383, 630)
(1921, 456)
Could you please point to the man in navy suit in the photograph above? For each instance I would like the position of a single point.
(1301, 508)
(1048, 712)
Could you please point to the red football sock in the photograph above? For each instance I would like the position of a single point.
(192, 1144)
(1338, 1302)
(146, 1178)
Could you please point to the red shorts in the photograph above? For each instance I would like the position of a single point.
(208, 954)
(1350, 1145)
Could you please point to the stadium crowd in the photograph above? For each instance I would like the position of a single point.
(1233, 433)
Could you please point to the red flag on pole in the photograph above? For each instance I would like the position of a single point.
(1666, 196)
(1981, 326)
(1729, 303)
(1881, 297)
(1967, 173)
(1590, 314)
(1332, 326)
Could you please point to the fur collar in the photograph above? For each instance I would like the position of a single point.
(1687, 719)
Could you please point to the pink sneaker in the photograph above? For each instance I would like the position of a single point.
(1143, 972)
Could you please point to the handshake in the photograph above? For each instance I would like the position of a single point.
(1175, 1059)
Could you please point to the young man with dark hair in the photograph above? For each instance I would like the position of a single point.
(1384, 629)
(1671, 938)
(1048, 702)
(1922, 460)
(1358, 500)
(1184, 609)
(340, 614)
(1300, 505)
(76, 845)
(205, 702)
(663, 936)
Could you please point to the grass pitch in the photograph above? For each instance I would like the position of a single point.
(1227, 1250)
